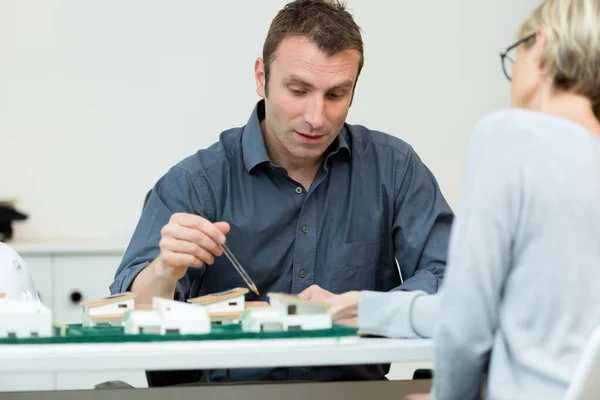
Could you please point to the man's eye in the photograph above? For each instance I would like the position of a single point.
(334, 96)
(297, 92)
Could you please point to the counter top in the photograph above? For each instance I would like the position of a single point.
(41, 247)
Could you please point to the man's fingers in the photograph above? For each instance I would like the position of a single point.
(199, 223)
(318, 290)
(204, 255)
(314, 292)
(183, 247)
(223, 227)
(190, 240)
(212, 232)
(182, 233)
(189, 220)
(210, 245)
(306, 294)
(180, 259)
(191, 235)
(177, 246)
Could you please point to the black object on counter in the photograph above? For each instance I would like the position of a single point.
(7, 216)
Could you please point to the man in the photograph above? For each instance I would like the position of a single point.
(303, 199)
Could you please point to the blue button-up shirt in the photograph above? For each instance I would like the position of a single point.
(371, 203)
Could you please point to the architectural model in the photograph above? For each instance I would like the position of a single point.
(107, 311)
(167, 317)
(24, 319)
(223, 307)
(287, 313)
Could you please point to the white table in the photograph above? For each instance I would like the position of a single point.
(211, 354)
(81, 366)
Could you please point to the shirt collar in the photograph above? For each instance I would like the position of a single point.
(253, 144)
(339, 144)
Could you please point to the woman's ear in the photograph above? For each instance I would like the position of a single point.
(538, 48)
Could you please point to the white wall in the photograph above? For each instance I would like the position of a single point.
(98, 99)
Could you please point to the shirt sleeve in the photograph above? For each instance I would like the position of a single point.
(397, 314)
(175, 192)
(421, 227)
(478, 265)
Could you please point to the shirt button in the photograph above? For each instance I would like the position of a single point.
(299, 190)
(303, 274)
(305, 229)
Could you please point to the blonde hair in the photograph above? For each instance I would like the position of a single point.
(572, 53)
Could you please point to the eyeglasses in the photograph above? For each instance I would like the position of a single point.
(509, 56)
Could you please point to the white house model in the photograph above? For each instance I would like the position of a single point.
(24, 318)
(168, 317)
(287, 313)
(223, 307)
(107, 311)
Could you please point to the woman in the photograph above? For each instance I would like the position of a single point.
(520, 298)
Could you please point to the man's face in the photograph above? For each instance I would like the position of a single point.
(309, 95)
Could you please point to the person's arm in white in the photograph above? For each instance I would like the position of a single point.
(397, 314)
(479, 263)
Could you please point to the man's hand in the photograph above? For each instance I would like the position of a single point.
(343, 307)
(315, 293)
(189, 240)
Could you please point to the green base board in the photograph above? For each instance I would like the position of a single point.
(77, 333)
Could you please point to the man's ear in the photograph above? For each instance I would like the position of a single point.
(259, 76)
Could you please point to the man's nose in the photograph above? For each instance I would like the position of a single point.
(314, 114)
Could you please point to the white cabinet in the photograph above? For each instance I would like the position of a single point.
(80, 278)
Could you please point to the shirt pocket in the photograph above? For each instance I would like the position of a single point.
(355, 265)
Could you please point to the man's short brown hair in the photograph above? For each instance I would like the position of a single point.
(326, 23)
